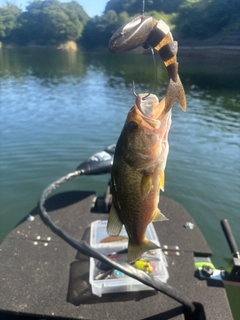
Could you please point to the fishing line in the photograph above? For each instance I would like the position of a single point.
(143, 7)
(155, 78)
(85, 248)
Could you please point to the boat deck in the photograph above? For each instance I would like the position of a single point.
(46, 278)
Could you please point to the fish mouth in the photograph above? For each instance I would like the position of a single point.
(150, 108)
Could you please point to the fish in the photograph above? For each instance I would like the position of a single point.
(141, 152)
(138, 173)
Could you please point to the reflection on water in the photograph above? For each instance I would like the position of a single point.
(51, 67)
(58, 108)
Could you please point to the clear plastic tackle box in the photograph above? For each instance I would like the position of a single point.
(117, 281)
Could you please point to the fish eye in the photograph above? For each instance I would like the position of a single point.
(132, 126)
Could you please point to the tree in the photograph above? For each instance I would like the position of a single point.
(133, 7)
(204, 18)
(98, 30)
(50, 21)
(8, 20)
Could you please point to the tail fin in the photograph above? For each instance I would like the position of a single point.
(135, 251)
(175, 91)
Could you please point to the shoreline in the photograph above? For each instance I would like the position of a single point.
(211, 53)
(230, 55)
(210, 50)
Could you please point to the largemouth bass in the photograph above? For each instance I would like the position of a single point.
(138, 173)
(142, 149)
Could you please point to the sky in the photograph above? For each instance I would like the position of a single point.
(92, 7)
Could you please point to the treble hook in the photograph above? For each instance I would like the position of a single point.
(155, 78)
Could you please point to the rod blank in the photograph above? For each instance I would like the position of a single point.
(230, 238)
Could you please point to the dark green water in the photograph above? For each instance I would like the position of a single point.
(59, 108)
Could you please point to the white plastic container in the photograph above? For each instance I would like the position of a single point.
(122, 283)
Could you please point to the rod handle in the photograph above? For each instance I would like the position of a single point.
(229, 236)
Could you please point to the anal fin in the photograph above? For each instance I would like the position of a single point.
(159, 216)
(114, 225)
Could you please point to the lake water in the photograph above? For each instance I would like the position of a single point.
(59, 108)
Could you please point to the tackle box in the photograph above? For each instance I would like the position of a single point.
(117, 281)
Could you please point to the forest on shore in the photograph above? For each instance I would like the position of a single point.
(50, 22)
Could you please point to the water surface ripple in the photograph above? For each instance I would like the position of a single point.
(58, 108)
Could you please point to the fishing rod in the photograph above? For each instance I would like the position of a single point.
(232, 273)
(101, 163)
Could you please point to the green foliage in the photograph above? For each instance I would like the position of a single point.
(52, 21)
(167, 18)
(133, 7)
(98, 30)
(204, 18)
(49, 22)
(8, 19)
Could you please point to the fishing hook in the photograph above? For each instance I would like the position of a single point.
(155, 78)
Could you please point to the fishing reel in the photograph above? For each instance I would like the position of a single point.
(100, 163)
(207, 271)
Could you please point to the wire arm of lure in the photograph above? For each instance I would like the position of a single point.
(155, 78)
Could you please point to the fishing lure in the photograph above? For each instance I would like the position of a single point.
(147, 31)
(145, 266)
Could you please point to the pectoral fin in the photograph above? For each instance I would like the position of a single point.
(146, 185)
(114, 225)
(162, 179)
(158, 216)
